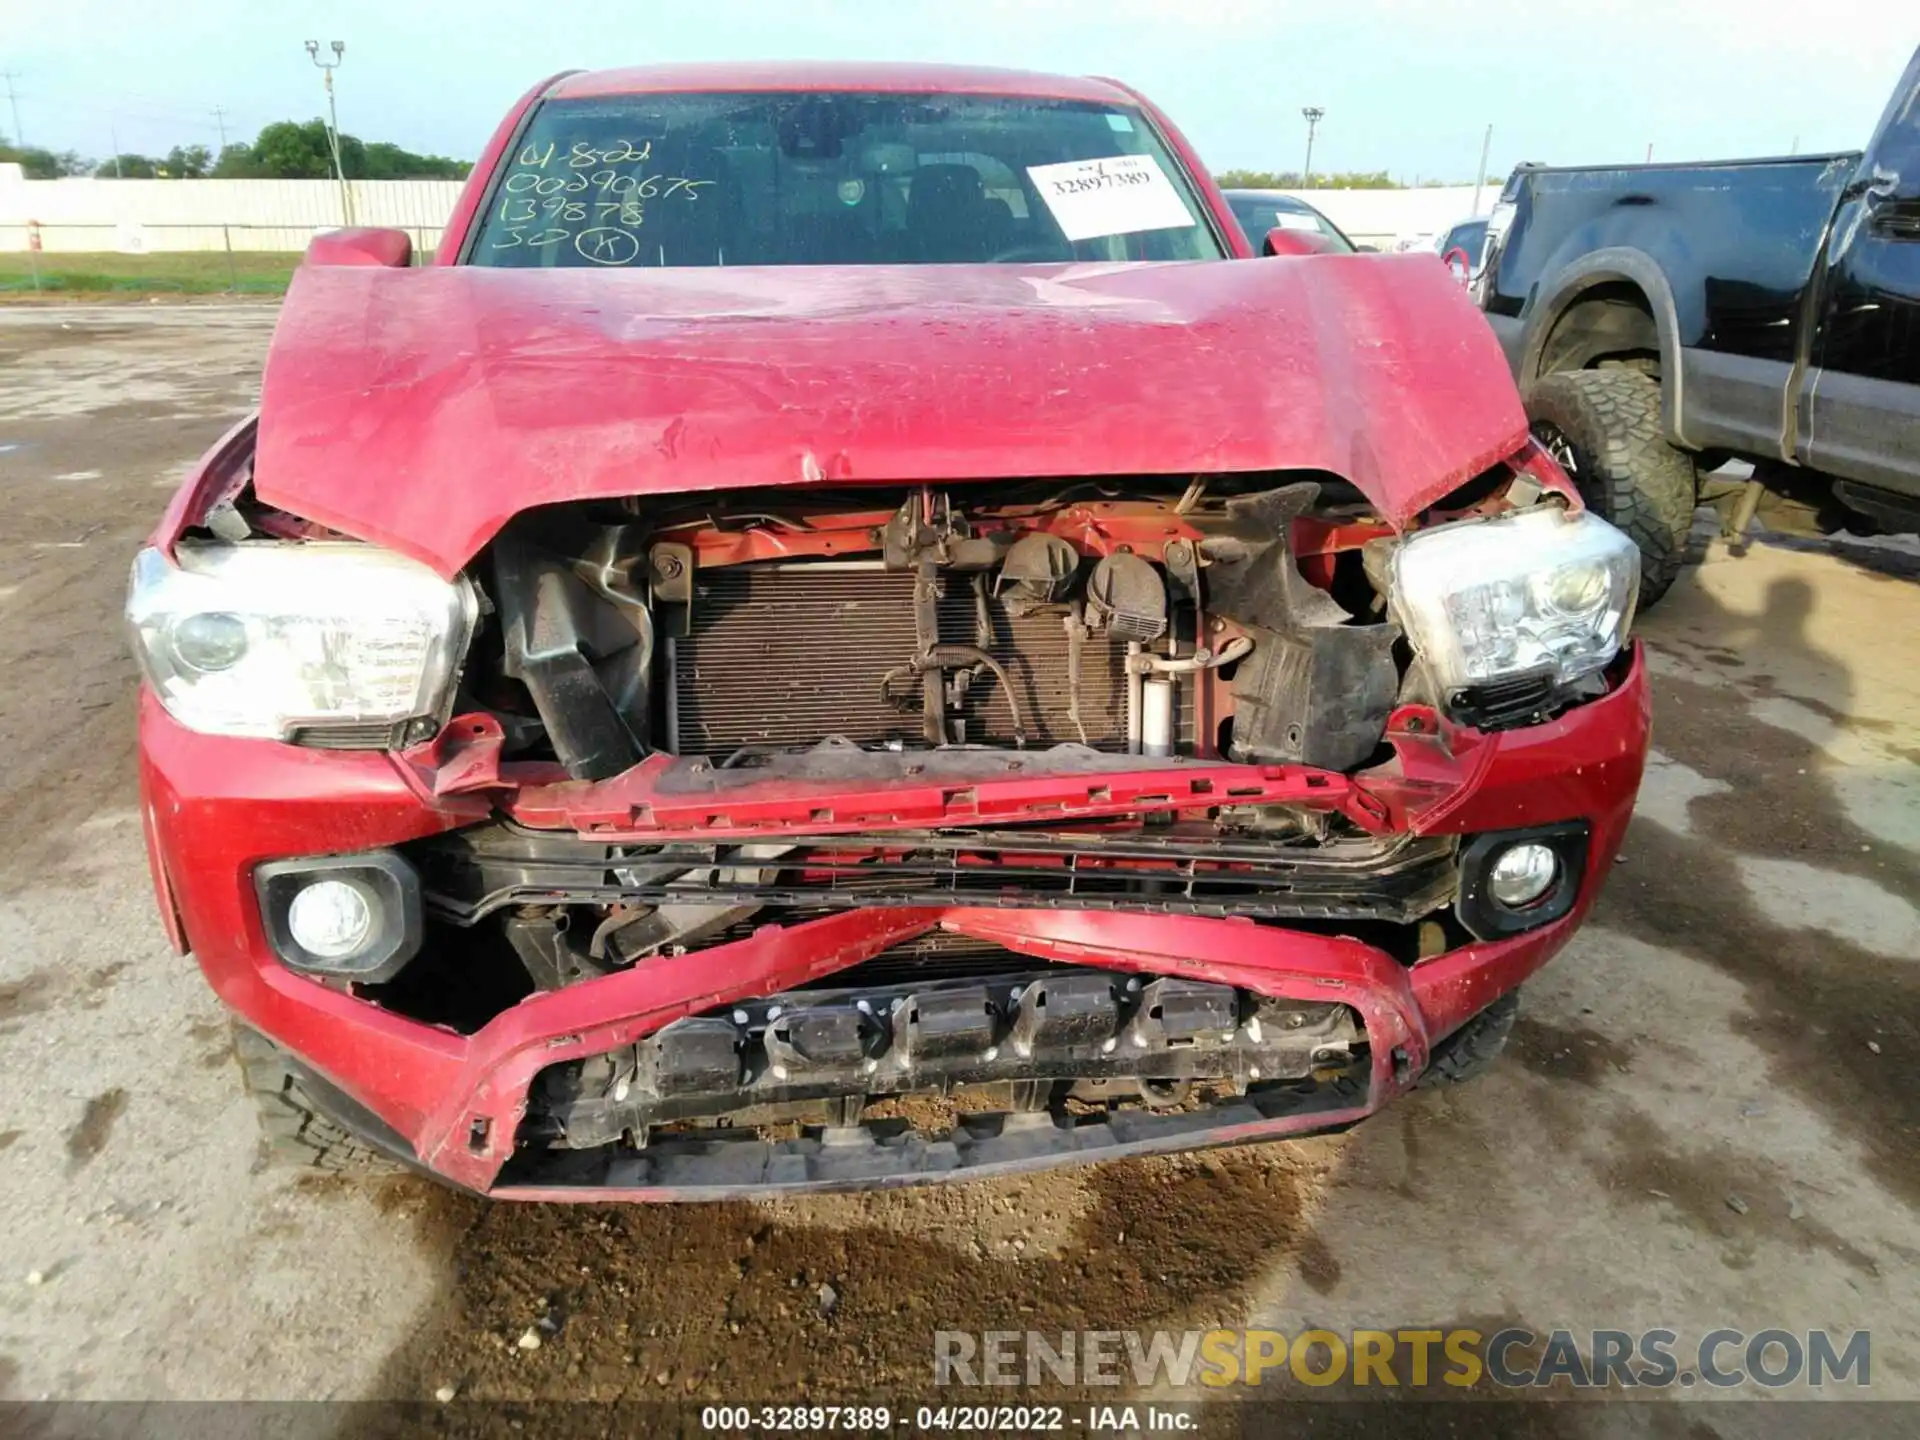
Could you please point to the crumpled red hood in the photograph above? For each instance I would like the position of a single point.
(421, 409)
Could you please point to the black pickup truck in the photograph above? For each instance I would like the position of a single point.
(1662, 319)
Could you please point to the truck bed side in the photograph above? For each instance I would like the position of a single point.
(1699, 271)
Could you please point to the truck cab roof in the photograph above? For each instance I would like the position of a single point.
(839, 75)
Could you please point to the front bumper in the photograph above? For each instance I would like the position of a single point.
(215, 809)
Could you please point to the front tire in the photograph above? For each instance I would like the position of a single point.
(1603, 426)
(295, 1132)
(1472, 1049)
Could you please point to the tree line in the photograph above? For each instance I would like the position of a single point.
(294, 150)
(284, 150)
(1329, 180)
(1291, 180)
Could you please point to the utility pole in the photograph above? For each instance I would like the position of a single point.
(113, 134)
(327, 67)
(13, 104)
(1480, 175)
(1313, 114)
(220, 119)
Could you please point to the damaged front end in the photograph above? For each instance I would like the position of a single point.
(821, 836)
(889, 834)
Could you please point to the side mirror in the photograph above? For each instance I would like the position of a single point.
(1282, 241)
(1460, 264)
(361, 247)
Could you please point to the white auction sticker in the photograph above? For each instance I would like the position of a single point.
(1116, 196)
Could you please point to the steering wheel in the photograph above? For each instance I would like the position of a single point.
(1030, 251)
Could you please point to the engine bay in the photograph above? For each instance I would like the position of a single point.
(1150, 617)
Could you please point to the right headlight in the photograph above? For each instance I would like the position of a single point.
(1535, 591)
(338, 643)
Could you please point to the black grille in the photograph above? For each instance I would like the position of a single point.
(1502, 704)
(360, 735)
(790, 655)
(472, 873)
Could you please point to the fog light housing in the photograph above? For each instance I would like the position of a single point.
(1517, 880)
(352, 917)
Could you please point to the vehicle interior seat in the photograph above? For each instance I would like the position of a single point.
(948, 216)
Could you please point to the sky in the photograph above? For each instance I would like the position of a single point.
(1408, 86)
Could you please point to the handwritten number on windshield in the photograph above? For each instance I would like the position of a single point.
(542, 188)
(582, 155)
(607, 245)
(517, 236)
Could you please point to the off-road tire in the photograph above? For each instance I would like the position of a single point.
(294, 1131)
(1626, 471)
(1475, 1045)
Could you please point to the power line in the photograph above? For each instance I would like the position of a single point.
(164, 112)
(133, 98)
(132, 111)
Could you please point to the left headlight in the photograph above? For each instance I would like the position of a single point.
(276, 639)
(1537, 592)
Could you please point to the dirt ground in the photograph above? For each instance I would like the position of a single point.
(1711, 1115)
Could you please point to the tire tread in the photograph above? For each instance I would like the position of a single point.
(1472, 1049)
(294, 1131)
(1629, 474)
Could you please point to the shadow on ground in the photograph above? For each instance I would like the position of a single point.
(727, 1302)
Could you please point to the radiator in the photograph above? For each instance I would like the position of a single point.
(788, 655)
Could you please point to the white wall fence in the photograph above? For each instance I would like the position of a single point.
(137, 215)
(143, 215)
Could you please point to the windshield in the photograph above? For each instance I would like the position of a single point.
(837, 179)
(1258, 214)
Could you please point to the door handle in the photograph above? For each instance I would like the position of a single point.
(1899, 220)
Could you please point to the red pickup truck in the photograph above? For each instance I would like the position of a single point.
(847, 631)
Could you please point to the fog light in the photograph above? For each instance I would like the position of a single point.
(1522, 874)
(1512, 881)
(351, 917)
(331, 919)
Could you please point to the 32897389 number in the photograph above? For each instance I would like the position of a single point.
(854, 1418)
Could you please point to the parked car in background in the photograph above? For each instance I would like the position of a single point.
(1258, 211)
(799, 653)
(1468, 238)
(1662, 319)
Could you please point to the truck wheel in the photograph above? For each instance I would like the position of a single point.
(297, 1133)
(1475, 1045)
(1603, 426)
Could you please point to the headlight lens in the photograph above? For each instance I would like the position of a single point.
(267, 638)
(1536, 590)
